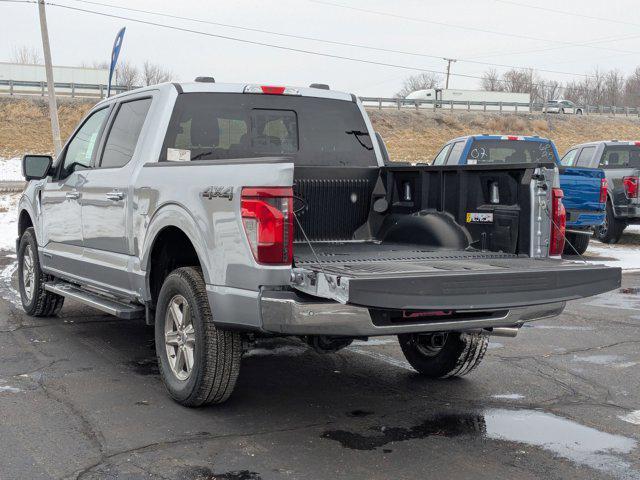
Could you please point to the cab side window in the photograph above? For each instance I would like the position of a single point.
(440, 158)
(586, 154)
(81, 148)
(124, 132)
(568, 158)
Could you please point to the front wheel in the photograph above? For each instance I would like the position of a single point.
(611, 229)
(36, 301)
(579, 242)
(199, 363)
(579, 111)
(444, 355)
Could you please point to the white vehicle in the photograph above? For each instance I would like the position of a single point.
(562, 106)
(476, 97)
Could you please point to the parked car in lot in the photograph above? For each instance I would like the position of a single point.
(584, 188)
(620, 160)
(561, 106)
(220, 213)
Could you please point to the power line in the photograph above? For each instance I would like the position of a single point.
(465, 27)
(585, 44)
(565, 12)
(253, 42)
(316, 39)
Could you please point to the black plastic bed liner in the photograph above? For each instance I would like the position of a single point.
(410, 277)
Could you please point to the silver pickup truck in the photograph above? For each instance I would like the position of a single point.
(222, 213)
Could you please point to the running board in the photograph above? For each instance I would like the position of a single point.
(97, 301)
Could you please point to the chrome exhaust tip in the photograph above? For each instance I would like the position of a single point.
(504, 331)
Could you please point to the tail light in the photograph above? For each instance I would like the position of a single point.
(603, 190)
(630, 186)
(267, 217)
(558, 224)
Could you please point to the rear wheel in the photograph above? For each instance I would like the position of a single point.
(611, 229)
(579, 241)
(199, 363)
(36, 301)
(444, 355)
(579, 111)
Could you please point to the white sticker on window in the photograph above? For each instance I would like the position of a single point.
(178, 155)
(471, 161)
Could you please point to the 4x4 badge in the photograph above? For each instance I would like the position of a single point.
(218, 192)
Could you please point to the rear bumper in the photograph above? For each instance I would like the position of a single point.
(585, 219)
(627, 212)
(287, 314)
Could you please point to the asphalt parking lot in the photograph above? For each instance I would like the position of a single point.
(80, 397)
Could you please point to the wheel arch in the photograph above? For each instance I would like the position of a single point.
(174, 231)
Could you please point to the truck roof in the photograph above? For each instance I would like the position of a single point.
(483, 136)
(195, 87)
(606, 143)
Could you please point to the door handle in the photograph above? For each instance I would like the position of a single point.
(72, 195)
(115, 195)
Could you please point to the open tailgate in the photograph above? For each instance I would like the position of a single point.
(417, 278)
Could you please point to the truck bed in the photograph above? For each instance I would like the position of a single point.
(412, 277)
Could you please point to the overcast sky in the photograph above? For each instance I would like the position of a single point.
(497, 31)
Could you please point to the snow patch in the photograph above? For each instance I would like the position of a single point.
(600, 359)
(9, 389)
(631, 417)
(11, 170)
(8, 220)
(624, 256)
(508, 396)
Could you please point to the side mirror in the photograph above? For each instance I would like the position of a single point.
(36, 167)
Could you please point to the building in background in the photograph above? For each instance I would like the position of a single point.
(23, 79)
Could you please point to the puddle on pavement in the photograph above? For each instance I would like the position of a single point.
(559, 327)
(564, 438)
(145, 366)
(624, 299)
(598, 359)
(204, 473)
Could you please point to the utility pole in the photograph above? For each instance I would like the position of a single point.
(449, 62)
(53, 105)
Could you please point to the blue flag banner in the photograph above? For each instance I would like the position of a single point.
(117, 44)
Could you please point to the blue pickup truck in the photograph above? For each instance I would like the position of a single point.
(585, 189)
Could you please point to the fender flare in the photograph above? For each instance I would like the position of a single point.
(25, 205)
(175, 215)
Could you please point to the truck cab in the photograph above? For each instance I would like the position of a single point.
(584, 187)
(620, 162)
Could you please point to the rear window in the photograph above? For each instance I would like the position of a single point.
(312, 131)
(509, 151)
(623, 156)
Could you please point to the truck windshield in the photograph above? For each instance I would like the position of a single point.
(312, 131)
(621, 156)
(509, 151)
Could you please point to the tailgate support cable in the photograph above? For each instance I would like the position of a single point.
(313, 251)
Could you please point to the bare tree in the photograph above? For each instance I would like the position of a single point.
(26, 55)
(613, 87)
(422, 81)
(632, 89)
(491, 82)
(127, 75)
(153, 73)
(550, 90)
